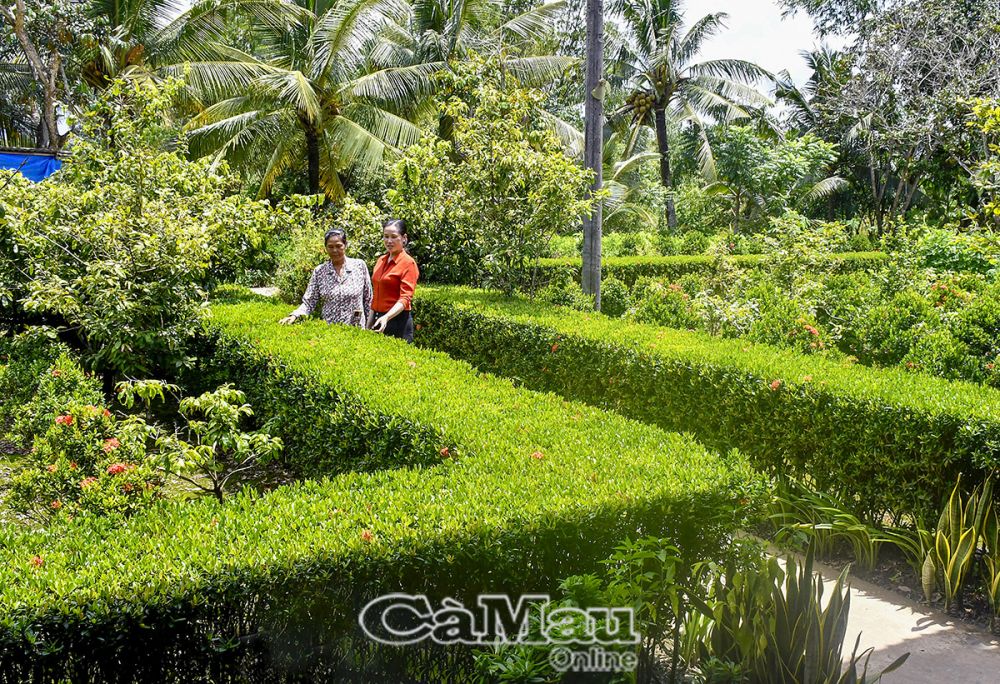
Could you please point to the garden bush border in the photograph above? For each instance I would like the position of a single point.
(532, 489)
(884, 439)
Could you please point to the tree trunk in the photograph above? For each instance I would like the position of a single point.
(663, 147)
(312, 154)
(45, 75)
(593, 148)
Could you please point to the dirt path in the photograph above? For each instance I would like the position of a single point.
(941, 649)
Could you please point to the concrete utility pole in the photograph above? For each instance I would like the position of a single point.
(593, 113)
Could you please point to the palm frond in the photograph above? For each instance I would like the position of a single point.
(632, 163)
(538, 71)
(570, 137)
(825, 188)
(396, 86)
(738, 69)
(703, 29)
(394, 131)
(534, 24)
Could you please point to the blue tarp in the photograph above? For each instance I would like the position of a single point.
(34, 167)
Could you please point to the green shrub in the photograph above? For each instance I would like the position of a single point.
(23, 360)
(530, 489)
(693, 242)
(115, 250)
(879, 439)
(948, 250)
(57, 386)
(86, 463)
(666, 305)
(629, 269)
(615, 298)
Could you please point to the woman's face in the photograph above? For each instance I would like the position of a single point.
(335, 248)
(393, 240)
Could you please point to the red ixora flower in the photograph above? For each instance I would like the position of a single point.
(110, 445)
(37, 561)
(64, 420)
(775, 384)
(118, 468)
(366, 535)
(444, 452)
(555, 346)
(87, 481)
(107, 413)
(538, 455)
(56, 372)
(56, 505)
(73, 465)
(52, 468)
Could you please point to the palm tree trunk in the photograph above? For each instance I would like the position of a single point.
(663, 146)
(312, 153)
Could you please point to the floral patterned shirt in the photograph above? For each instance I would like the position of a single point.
(341, 295)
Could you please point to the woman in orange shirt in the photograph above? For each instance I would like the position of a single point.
(393, 282)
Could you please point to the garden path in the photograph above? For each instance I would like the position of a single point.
(941, 649)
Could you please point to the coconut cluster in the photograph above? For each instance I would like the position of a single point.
(641, 102)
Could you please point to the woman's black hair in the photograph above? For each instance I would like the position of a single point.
(398, 224)
(335, 232)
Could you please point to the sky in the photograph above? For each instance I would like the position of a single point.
(756, 32)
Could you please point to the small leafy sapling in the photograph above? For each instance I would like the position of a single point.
(219, 448)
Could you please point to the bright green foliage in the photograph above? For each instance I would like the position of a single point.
(762, 180)
(878, 439)
(629, 269)
(23, 361)
(986, 119)
(482, 208)
(531, 489)
(305, 250)
(116, 247)
(220, 449)
(54, 386)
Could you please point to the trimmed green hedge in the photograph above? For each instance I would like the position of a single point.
(884, 439)
(533, 488)
(630, 269)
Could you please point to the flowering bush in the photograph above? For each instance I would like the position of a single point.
(59, 385)
(87, 462)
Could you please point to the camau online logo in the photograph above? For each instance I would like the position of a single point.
(402, 619)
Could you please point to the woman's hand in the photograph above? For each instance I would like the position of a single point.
(380, 323)
(288, 320)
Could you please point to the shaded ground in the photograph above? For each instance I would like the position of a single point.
(942, 649)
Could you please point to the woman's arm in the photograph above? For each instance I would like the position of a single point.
(407, 285)
(309, 301)
(366, 298)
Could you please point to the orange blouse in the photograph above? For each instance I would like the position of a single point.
(394, 280)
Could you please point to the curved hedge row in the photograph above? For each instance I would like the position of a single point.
(885, 439)
(630, 269)
(532, 488)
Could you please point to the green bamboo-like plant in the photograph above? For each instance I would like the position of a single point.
(771, 625)
(956, 538)
(991, 565)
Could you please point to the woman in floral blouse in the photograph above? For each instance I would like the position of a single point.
(342, 286)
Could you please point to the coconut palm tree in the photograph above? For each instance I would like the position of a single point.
(656, 64)
(308, 91)
(433, 33)
(828, 68)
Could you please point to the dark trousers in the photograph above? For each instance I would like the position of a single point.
(401, 326)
